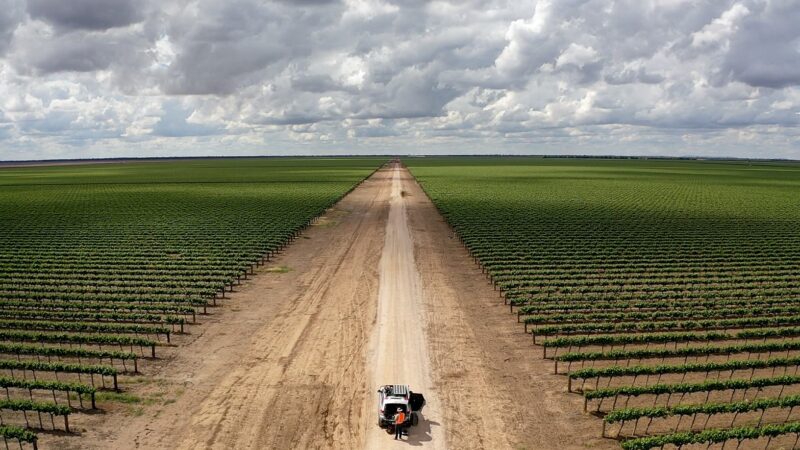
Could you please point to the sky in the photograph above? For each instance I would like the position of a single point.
(139, 78)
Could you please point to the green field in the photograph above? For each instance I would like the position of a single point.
(101, 264)
(667, 292)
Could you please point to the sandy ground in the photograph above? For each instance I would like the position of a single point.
(378, 292)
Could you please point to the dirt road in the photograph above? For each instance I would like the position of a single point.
(378, 292)
(398, 349)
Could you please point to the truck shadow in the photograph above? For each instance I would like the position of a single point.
(421, 433)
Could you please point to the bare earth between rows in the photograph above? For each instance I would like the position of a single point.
(378, 289)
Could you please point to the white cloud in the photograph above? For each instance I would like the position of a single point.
(577, 55)
(243, 76)
(722, 28)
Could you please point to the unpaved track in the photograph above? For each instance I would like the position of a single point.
(378, 293)
(398, 349)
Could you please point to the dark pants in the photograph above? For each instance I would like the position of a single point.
(398, 431)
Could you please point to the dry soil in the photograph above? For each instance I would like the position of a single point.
(380, 292)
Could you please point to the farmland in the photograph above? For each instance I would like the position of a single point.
(666, 293)
(104, 267)
(587, 303)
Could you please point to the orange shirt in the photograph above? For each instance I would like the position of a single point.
(400, 417)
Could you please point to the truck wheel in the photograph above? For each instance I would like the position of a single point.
(414, 419)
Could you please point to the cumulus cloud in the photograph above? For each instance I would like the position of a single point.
(11, 13)
(623, 76)
(87, 14)
(765, 50)
(176, 121)
(71, 53)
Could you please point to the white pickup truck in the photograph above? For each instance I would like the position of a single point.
(394, 396)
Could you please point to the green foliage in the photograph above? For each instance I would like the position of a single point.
(712, 436)
(581, 341)
(7, 382)
(75, 338)
(761, 404)
(82, 327)
(20, 434)
(121, 397)
(620, 371)
(57, 367)
(681, 388)
(561, 232)
(683, 352)
(11, 306)
(23, 349)
(90, 316)
(692, 313)
(115, 254)
(29, 405)
(641, 327)
(171, 233)
(604, 254)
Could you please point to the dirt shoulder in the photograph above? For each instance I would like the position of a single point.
(496, 390)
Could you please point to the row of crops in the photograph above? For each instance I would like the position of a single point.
(666, 293)
(103, 267)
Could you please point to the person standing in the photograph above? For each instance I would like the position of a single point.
(399, 419)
